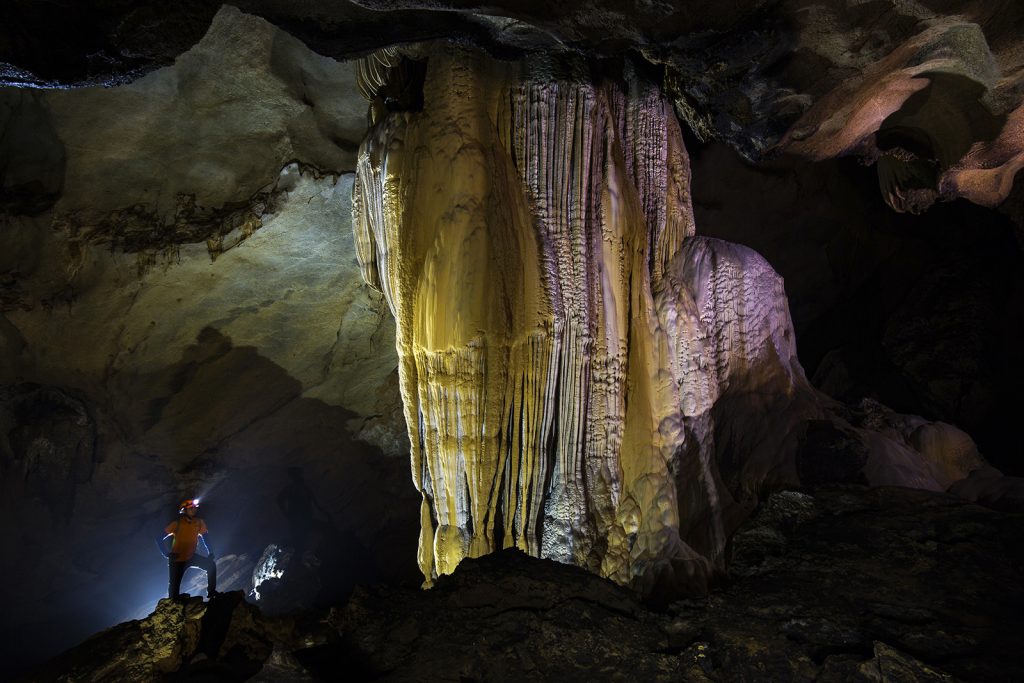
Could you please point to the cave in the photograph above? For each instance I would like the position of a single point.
(602, 340)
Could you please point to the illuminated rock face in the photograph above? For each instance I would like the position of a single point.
(561, 333)
(940, 114)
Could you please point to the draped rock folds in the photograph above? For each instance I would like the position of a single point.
(528, 235)
(562, 334)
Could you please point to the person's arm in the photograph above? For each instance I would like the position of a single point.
(206, 543)
(161, 543)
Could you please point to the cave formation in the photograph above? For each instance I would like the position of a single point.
(645, 291)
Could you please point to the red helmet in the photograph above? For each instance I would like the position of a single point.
(189, 503)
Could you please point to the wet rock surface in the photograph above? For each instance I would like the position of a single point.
(847, 584)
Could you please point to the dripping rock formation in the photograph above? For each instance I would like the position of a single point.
(602, 276)
(585, 378)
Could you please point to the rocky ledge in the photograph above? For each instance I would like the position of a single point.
(849, 583)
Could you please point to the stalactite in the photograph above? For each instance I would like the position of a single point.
(515, 227)
(566, 343)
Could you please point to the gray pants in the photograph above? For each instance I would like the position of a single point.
(176, 570)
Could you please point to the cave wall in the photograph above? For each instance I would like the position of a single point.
(183, 315)
(182, 308)
(917, 312)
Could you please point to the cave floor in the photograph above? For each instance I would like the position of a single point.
(850, 584)
(846, 584)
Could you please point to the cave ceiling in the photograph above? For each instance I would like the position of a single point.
(928, 90)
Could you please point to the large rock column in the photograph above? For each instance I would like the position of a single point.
(583, 377)
(517, 226)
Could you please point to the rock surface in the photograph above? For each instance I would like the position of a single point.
(844, 584)
(183, 315)
(584, 377)
(916, 312)
(929, 90)
(847, 584)
(224, 637)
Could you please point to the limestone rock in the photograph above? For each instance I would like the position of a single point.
(516, 618)
(862, 581)
(851, 584)
(516, 345)
(936, 113)
(749, 74)
(583, 377)
(246, 82)
(898, 584)
(988, 486)
(917, 312)
(178, 262)
(47, 442)
(224, 637)
(144, 650)
(32, 156)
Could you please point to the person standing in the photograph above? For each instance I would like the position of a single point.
(186, 532)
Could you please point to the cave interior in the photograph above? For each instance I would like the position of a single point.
(591, 340)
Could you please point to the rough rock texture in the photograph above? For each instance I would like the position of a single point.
(47, 445)
(224, 637)
(247, 83)
(850, 584)
(845, 584)
(989, 487)
(930, 89)
(941, 114)
(510, 617)
(183, 315)
(584, 379)
(180, 313)
(920, 313)
(925, 573)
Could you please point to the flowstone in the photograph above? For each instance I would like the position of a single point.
(583, 377)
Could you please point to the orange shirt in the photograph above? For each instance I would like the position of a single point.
(186, 536)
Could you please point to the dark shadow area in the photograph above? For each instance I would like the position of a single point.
(921, 313)
(94, 43)
(32, 156)
(223, 424)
